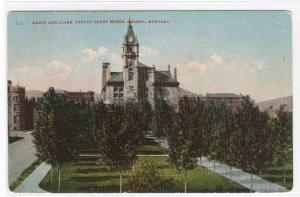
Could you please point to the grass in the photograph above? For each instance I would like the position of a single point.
(275, 175)
(87, 176)
(150, 147)
(12, 139)
(24, 175)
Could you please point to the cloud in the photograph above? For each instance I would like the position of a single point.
(216, 59)
(197, 67)
(259, 66)
(59, 67)
(148, 51)
(103, 54)
(54, 73)
(213, 72)
(89, 55)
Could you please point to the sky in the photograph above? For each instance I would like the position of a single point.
(248, 52)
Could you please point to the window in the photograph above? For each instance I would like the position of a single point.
(129, 50)
(130, 88)
(15, 107)
(118, 95)
(15, 119)
(130, 74)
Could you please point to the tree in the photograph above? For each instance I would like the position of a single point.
(146, 115)
(179, 138)
(56, 129)
(163, 119)
(253, 137)
(146, 178)
(118, 136)
(214, 129)
(282, 127)
(199, 144)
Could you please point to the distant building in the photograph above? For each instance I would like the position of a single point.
(79, 97)
(272, 106)
(20, 109)
(231, 100)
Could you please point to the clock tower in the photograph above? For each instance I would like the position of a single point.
(130, 56)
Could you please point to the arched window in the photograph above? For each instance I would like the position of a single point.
(130, 73)
(129, 62)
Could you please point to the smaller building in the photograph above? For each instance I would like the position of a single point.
(231, 100)
(20, 108)
(272, 106)
(79, 97)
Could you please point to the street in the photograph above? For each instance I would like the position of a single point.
(21, 154)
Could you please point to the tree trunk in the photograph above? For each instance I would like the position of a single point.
(230, 175)
(120, 181)
(251, 183)
(214, 165)
(132, 164)
(185, 182)
(58, 190)
(283, 171)
(200, 160)
(51, 175)
(259, 172)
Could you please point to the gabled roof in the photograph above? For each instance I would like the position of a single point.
(227, 95)
(162, 75)
(140, 64)
(116, 77)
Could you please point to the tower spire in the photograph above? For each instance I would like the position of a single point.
(130, 37)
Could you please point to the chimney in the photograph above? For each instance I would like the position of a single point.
(175, 74)
(169, 67)
(105, 73)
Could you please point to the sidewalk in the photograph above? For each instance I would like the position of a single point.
(21, 154)
(241, 177)
(31, 183)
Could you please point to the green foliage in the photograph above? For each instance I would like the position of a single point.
(146, 178)
(252, 136)
(163, 113)
(87, 176)
(145, 111)
(199, 143)
(180, 136)
(56, 128)
(282, 127)
(118, 133)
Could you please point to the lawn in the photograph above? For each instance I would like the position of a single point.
(150, 147)
(87, 175)
(12, 139)
(275, 175)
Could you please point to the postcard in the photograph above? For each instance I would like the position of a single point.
(150, 101)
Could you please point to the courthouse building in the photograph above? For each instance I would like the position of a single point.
(137, 81)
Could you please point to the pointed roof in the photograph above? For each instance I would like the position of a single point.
(130, 30)
(130, 33)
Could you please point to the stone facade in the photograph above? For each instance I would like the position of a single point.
(137, 82)
(20, 109)
(79, 97)
(231, 100)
